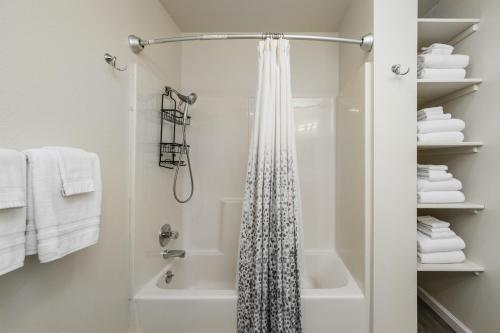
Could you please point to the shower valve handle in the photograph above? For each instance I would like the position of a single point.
(166, 234)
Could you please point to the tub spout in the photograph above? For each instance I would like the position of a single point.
(174, 254)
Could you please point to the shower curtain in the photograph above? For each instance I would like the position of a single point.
(268, 267)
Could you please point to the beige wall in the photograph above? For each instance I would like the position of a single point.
(55, 89)
(475, 300)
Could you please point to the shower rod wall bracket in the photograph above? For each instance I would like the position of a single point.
(137, 44)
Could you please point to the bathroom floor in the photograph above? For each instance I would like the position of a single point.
(429, 321)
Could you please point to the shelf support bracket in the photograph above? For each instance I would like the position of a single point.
(464, 34)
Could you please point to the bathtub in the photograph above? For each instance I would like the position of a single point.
(201, 298)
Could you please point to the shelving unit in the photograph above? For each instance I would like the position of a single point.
(467, 266)
(439, 92)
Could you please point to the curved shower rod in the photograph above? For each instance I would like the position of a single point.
(137, 44)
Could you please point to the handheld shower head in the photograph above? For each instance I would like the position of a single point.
(189, 99)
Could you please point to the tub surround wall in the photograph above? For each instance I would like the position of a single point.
(475, 300)
(224, 75)
(57, 90)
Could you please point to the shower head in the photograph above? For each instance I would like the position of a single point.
(189, 99)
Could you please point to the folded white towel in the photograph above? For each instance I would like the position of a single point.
(424, 185)
(435, 230)
(75, 168)
(438, 48)
(433, 126)
(440, 197)
(434, 175)
(12, 179)
(424, 167)
(425, 244)
(443, 116)
(441, 137)
(442, 61)
(436, 235)
(430, 111)
(441, 74)
(12, 209)
(432, 222)
(63, 224)
(449, 257)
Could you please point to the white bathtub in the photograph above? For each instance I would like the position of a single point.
(201, 298)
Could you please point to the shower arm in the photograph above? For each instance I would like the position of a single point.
(138, 44)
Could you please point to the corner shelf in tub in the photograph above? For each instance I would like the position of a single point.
(466, 266)
(445, 30)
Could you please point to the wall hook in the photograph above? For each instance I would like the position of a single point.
(111, 60)
(396, 69)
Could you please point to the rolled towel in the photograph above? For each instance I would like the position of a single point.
(442, 61)
(433, 126)
(441, 74)
(444, 116)
(436, 235)
(440, 197)
(424, 185)
(441, 137)
(440, 167)
(438, 48)
(430, 111)
(449, 257)
(425, 244)
(432, 222)
(434, 175)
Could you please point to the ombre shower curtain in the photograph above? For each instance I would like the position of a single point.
(268, 266)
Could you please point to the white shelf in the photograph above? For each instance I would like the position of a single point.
(433, 90)
(438, 148)
(447, 31)
(467, 266)
(458, 206)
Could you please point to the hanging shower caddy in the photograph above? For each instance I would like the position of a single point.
(171, 118)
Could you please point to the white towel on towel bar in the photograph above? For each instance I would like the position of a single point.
(424, 185)
(449, 257)
(433, 126)
(425, 244)
(75, 169)
(12, 209)
(440, 197)
(438, 48)
(441, 137)
(442, 61)
(441, 74)
(63, 224)
(432, 222)
(434, 175)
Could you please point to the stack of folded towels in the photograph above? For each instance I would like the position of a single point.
(436, 126)
(437, 62)
(436, 185)
(437, 243)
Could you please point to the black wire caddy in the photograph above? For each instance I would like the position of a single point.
(171, 119)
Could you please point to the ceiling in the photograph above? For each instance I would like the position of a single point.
(256, 15)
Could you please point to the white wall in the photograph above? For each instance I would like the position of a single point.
(224, 75)
(475, 300)
(55, 89)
